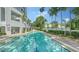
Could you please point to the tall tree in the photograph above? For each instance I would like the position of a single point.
(61, 9)
(54, 24)
(28, 21)
(50, 13)
(40, 22)
(70, 20)
(53, 12)
(41, 9)
(23, 17)
(75, 11)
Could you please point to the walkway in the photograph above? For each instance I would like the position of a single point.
(4, 38)
(74, 46)
(66, 42)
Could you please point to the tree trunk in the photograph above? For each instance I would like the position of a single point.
(52, 21)
(70, 22)
(55, 17)
(61, 22)
(64, 23)
(56, 24)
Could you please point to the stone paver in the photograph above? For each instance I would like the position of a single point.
(73, 45)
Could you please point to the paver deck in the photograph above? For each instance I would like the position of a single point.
(70, 43)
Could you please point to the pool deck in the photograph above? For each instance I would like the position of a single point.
(66, 42)
(3, 38)
(74, 46)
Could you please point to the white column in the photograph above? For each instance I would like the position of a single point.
(21, 26)
(8, 20)
(26, 28)
(0, 14)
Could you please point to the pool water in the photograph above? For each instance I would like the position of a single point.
(32, 42)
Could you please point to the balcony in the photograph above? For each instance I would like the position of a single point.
(20, 9)
(3, 23)
(15, 16)
(16, 11)
(15, 23)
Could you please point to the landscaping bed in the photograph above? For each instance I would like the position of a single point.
(67, 33)
(2, 33)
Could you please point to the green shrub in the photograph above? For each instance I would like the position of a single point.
(75, 34)
(2, 33)
(60, 32)
(57, 32)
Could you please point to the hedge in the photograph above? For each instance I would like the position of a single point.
(60, 32)
(2, 33)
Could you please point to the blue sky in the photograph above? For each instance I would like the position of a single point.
(33, 12)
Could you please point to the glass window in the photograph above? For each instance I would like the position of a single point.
(2, 29)
(23, 30)
(15, 30)
(2, 14)
(14, 16)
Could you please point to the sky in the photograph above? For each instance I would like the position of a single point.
(33, 12)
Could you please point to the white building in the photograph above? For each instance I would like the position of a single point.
(11, 21)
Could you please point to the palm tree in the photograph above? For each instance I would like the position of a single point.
(23, 17)
(28, 21)
(61, 9)
(70, 21)
(42, 9)
(50, 13)
(53, 12)
(75, 11)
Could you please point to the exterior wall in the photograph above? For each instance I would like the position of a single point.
(9, 23)
(21, 9)
(8, 20)
(0, 14)
(2, 23)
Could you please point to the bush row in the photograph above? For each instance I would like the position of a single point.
(2, 33)
(60, 32)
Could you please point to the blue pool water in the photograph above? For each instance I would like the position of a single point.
(32, 42)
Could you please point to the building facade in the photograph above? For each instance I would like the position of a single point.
(11, 21)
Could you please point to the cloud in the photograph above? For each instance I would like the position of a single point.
(67, 19)
(42, 14)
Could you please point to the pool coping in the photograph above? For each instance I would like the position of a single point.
(4, 38)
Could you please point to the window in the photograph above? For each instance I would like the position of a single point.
(23, 30)
(2, 29)
(15, 30)
(14, 16)
(2, 14)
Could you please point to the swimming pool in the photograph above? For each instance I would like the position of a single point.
(32, 42)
